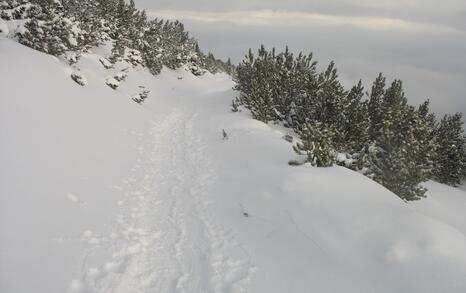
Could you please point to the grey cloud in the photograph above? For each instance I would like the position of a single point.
(447, 12)
(431, 63)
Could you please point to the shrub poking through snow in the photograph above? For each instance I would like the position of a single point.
(224, 134)
(112, 82)
(235, 105)
(121, 76)
(106, 63)
(72, 57)
(141, 97)
(196, 70)
(288, 138)
(316, 144)
(78, 78)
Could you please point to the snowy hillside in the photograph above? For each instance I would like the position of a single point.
(101, 194)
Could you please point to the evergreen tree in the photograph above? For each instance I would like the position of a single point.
(425, 149)
(85, 14)
(316, 144)
(327, 106)
(243, 79)
(48, 29)
(59, 26)
(129, 29)
(392, 156)
(374, 107)
(257, 92)
(450, 163)
(355, 122)
(152, 49)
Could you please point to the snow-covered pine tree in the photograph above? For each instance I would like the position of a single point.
(424, 151)
(85, 15)
(283, 80)
(254, 81)
(130, 26)
(328, 105)
(48, 29)
(262, 86)
(211, 63)
(374, 107)
(244, 74)
(152, 50)
(229, 68)
(450, 161)
(392, 155)
(174, 39)
(354, 134)
(14, 10)
(305, 82)
(316, 144)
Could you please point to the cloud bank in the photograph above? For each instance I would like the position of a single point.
(422, 42)
(282, 18)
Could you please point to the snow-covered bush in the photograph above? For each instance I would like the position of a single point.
(48, 29)
(112, 82)
(78, 78)
(316, 144)
(288, 138)
(196, 70)
(141, 97)
(72, 57)
(106, 63)
(121, 76)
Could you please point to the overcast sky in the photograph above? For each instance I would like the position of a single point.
(422, 42)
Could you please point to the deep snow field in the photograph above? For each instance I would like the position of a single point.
(101, 194)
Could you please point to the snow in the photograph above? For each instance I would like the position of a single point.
(3, 29)
(100, 194)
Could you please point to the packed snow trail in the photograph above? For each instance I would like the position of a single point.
(165, 239)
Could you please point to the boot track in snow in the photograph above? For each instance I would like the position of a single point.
(165, 239)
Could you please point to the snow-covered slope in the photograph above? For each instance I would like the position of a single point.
(100, 194)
